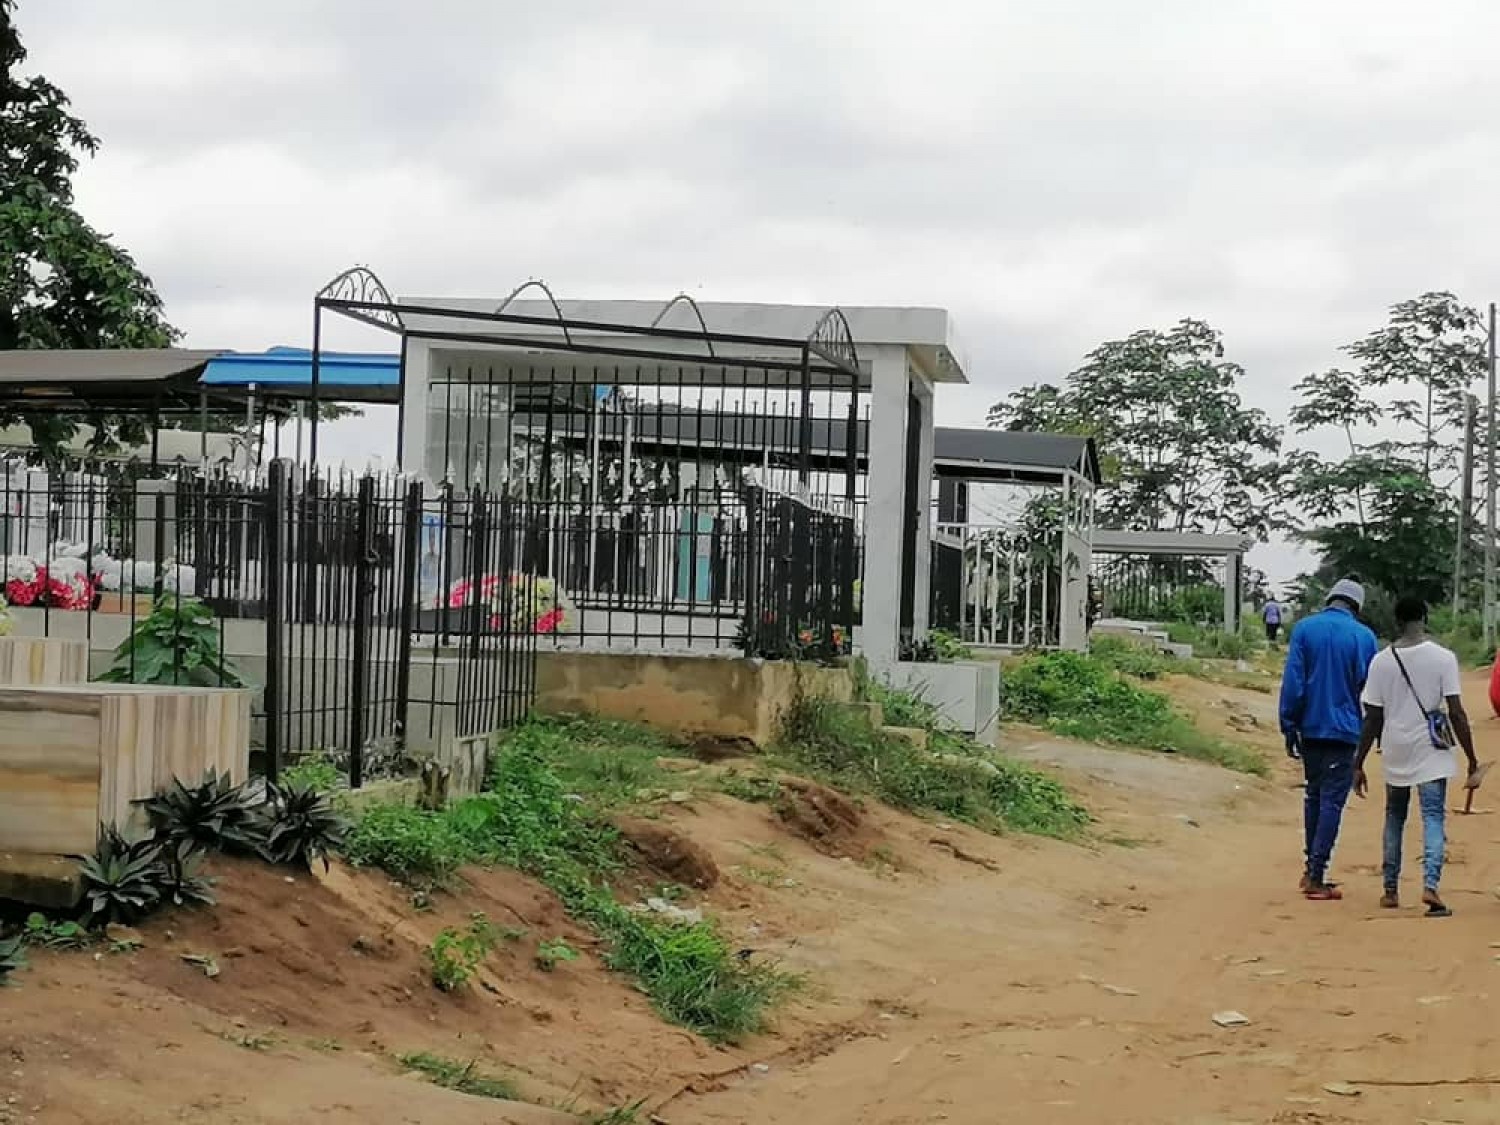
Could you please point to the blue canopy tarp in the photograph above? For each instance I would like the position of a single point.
(287, 373)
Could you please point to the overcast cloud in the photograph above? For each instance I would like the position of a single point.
(1056, 173)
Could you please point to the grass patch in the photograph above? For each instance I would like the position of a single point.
(531, 820)
(1081, 696)
(954, 778)
(461, 1077)
(611, 763)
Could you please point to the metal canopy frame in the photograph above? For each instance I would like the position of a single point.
(828, 350)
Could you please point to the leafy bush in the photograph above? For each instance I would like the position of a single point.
(955, 777)
(1081, 696)
(454, 955)
(1131, 658)
(176, 643)
(61, 934)
(552, 952)
(314, 771)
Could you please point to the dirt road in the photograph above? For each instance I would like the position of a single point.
(975, 981)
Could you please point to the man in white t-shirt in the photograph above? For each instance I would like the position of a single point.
(1405, 693)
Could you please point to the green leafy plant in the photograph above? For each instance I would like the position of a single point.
(216, 814)
(60, 934)
(462, 1077)
(12, 957)
(176, 643)
(552, 952)
(455, 954)
(313, 771)
(123, 880)
(299, 826)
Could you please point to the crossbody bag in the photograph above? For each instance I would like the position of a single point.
(1439, 727)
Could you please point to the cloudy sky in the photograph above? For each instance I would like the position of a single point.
(1056, 172)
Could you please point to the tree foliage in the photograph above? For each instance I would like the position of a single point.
(63, 284)
(1386, 507)
(1179, 449)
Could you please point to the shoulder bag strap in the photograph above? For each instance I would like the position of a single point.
(1409, 685)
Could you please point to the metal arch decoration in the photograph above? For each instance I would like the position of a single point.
(832, 340)
(538, 283)
(360, 294)
(698, 312)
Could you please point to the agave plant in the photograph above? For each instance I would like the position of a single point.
(184, 883)
(299, 825)
(216, 814)
(12, 956)
(123, 880)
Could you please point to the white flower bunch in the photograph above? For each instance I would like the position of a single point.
(19, 568)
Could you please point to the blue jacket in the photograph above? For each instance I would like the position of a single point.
(1327, 660)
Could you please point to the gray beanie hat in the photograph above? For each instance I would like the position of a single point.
(1349, 590)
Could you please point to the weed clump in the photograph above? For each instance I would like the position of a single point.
(954, 777)
(461, 1077)
(1083, 696)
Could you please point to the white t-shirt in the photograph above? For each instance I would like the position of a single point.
(1407, 755)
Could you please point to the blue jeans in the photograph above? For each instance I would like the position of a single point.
(1329, 770)
(1432, 796)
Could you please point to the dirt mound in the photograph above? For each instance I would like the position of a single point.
(669, 853)
(829, 821)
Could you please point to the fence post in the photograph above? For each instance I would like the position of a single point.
(364, 589)
(411, 547)
(752, 571)
(272, 511)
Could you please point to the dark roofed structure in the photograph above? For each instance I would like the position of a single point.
(962, 454)
(1013, 455)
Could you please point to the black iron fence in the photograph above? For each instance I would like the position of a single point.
(371, 616)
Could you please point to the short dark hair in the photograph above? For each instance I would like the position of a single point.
(1410, 609)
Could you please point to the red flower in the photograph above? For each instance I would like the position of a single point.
(23, 593)
(550, 621)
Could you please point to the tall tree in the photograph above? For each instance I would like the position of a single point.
(1386, 507)
(1179, 449)
(63, 284)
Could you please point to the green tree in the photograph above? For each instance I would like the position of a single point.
(1179, 450)
(63, 284)
(1387, 506)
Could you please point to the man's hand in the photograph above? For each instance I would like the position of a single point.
(1294, 745)
(1361, 783)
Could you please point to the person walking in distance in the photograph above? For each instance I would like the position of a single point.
(1328, 657)
(1408, 687)
(1271, 614)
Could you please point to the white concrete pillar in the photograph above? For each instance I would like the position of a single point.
(923, 569)
(880, 631)
(414, 408)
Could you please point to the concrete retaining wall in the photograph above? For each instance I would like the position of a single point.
(721, 697)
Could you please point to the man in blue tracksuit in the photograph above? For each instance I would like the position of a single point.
(1328, 657)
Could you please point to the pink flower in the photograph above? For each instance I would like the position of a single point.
(550, 622)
